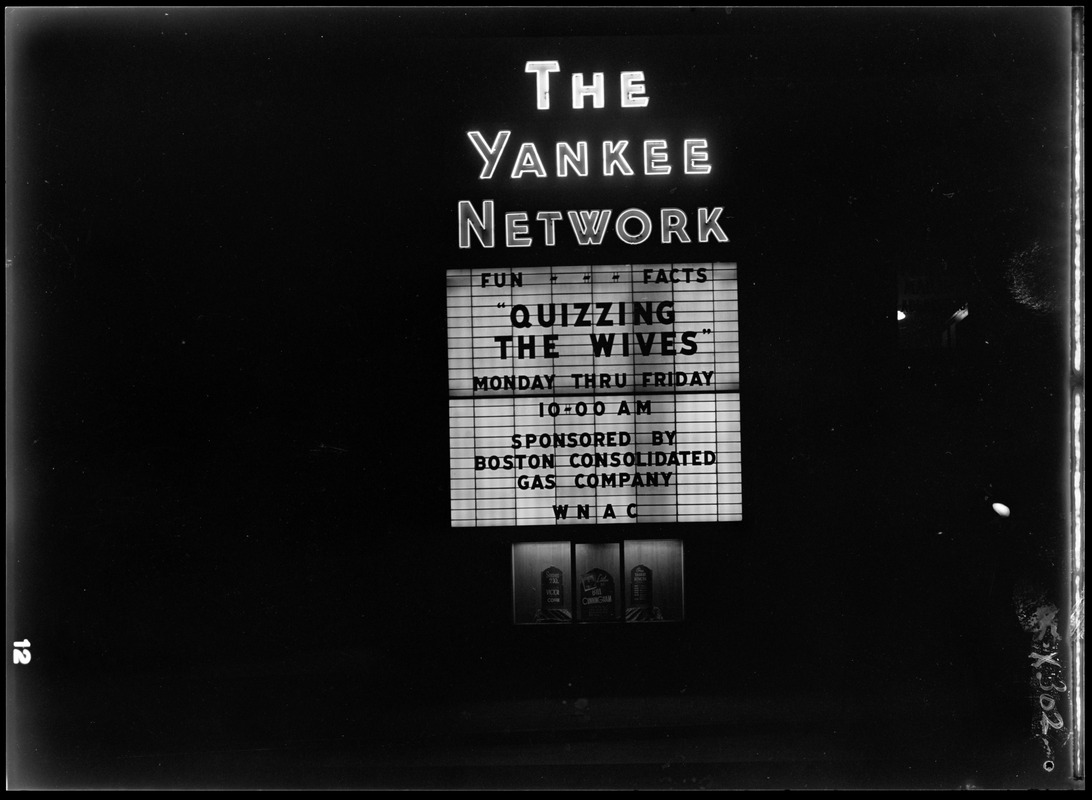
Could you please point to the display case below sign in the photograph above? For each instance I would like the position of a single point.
(541, 582)
(654, 580)
(598, 579)
(634, 581)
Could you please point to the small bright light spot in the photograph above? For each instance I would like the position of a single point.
(1001, 509)
(902, 316)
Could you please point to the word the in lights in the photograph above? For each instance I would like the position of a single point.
(632, 89)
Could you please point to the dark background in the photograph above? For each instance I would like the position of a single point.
(227, 369)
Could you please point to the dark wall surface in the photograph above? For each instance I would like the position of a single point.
(228, 233)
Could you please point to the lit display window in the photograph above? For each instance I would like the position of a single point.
(562, 582)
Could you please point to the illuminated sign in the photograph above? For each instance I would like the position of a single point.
(594, 394)
(501, 157)
(588, 226)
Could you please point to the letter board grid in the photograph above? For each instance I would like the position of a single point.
(619, 404)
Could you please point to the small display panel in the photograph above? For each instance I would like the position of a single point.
(632, 581)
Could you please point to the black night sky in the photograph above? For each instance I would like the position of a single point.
(227, 407)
